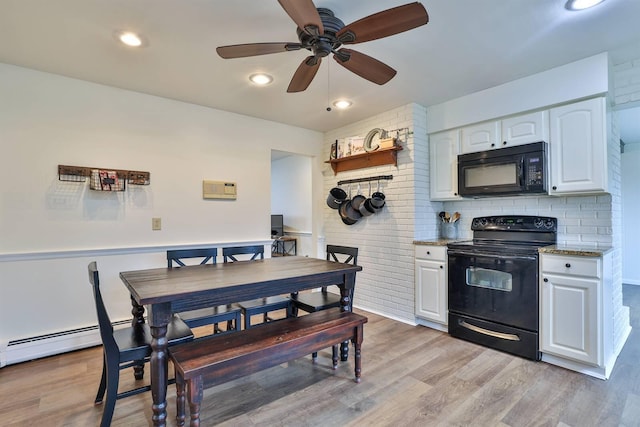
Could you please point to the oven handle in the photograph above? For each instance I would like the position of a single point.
(478, 329)
(491, 255)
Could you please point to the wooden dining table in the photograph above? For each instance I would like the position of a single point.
(164, 291)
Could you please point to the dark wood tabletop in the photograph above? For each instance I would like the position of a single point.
(168, 290)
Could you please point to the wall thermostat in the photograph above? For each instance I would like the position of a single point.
(218, 190)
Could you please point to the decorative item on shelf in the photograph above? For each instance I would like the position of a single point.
(377, 149)
(334, 151)
(103, 179)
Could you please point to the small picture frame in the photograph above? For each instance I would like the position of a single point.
(334, 151)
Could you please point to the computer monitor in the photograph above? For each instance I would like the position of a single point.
(277, 226)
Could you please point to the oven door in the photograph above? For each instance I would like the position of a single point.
(494, 287)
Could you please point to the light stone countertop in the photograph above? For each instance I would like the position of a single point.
(436, 242)
(561, 249)
(575, 250)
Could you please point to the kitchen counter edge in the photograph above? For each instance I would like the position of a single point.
(575, 250)
(435, 242)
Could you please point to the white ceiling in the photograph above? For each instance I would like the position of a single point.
(468, 45)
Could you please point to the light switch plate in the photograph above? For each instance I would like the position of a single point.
(156, 224)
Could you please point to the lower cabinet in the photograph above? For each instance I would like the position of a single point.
(575, 322)
(431, 283)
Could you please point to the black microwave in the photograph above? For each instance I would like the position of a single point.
(507, 171)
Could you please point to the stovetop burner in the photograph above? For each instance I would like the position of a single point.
(509, 234)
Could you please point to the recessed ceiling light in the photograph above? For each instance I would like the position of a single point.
(342, 104)
(260, 79)
(581, 4)
(131, 39)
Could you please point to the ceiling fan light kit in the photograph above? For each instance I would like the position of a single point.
(322, 33)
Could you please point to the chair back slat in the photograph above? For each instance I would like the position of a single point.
(344, 254)
(176, 256)
(229, 254)
(104, 323)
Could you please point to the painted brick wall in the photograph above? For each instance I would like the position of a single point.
(627, 82)
(385, 240)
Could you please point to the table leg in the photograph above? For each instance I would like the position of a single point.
(137, 321)
(159, 316)
(346, 293)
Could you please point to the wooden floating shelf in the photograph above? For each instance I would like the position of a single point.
(386, 156)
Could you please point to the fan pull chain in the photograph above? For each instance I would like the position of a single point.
(328, 86)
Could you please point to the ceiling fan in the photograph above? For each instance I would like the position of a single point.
(320, 32)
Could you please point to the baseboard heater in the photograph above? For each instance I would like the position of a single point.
(25, 349)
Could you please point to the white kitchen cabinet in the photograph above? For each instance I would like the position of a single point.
(525, 129)
(480, 137)
(431, 283)
(578, 148)
(508, 132)
(444, 148)
(575, 310)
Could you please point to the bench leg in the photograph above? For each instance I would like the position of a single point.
(194, 387)
(334, 350)
(357, 341)
(180, 400)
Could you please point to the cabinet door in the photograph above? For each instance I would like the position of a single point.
(480, 137)
(525, 129)
(569, 318)
(443, 165)
(431, 291)
(578, 148)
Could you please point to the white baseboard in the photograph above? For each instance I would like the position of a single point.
(37, 347)
(399, 319)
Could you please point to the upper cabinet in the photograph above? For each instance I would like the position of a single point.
(480, 137)
(578, 148)
(444, 148)
(517, 130)
(526, 128)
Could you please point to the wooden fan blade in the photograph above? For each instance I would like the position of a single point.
(304, 74)
(383, 24)
(304, 14)
(254, 49)
(365, 66)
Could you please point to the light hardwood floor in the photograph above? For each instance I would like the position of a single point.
(412, 376)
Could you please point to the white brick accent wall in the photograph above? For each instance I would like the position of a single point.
(385, 239)
(627, 82)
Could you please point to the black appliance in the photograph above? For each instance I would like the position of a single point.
(504, 172)
(493, 282)
(277, 225)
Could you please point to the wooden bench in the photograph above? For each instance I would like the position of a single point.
(217, 359)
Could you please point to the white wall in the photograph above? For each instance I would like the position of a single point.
(49, 229)
(630, 214)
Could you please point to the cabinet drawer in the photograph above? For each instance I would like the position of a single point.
(436, 253)
(575, 266)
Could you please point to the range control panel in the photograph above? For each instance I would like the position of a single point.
(515, 223)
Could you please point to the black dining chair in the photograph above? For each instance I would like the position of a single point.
(210, 315)
(316, 301)
(123, 348)
(261, 305)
